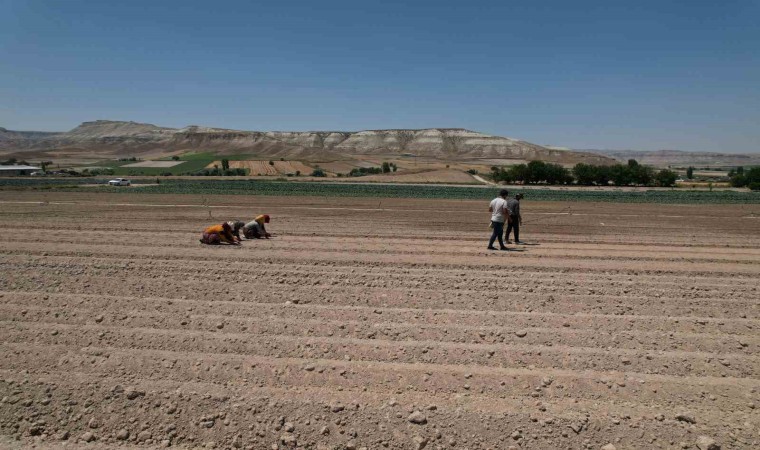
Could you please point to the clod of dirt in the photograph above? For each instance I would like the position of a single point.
(609, 447)
(686, 418)
(707, 443)
(417, 418)
(122, 435)
(133, 394)
(521, 333)
(419, 442)
(337, 408)
(288, 439)
(88, 437)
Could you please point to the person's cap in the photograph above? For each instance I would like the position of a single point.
(520, 195)
(503, 192)
(266, 218)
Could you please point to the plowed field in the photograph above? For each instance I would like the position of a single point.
(377, 323)
(264, 168)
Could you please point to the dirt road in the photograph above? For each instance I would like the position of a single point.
(374, 323)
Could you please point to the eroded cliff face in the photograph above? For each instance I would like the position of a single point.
(115, 138)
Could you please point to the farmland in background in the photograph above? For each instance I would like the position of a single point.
(266, 169)
(193, 185)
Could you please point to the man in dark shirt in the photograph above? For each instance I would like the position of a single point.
(515, 219)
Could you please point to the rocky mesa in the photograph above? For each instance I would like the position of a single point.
(105, 138)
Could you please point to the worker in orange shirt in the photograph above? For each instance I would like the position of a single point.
(256, 229)
(216, 234)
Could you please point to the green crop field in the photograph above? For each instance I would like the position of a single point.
(214, 157)
(293, 188)
(182, 168)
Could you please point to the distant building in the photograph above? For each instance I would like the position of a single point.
(9, 171)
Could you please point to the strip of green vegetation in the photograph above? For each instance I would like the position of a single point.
(111, 163)
(182, 168)
(52, 182)
(294, 188)
(209, 157)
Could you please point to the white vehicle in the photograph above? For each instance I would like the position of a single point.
(120, 182)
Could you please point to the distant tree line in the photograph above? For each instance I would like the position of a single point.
(13, 162)
(217, 172)
(633, 173)
(97, 171)
(745, 178)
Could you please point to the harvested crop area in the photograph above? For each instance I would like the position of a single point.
(377, 323)
(254, 167)
(291, 167)
(265, 168)
(431, 176)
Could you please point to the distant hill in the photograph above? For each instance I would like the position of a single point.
(108, 139)
(680, 158)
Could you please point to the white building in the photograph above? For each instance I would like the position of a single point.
(9, 171)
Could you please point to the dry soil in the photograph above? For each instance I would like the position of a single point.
(376, 323)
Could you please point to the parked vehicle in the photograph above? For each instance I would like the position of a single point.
(120, 182)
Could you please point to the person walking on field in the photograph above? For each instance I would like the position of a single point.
(498, 210)
(515, 219)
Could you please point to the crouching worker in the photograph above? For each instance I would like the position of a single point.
(236, 226)
(256, 229)
(216, 234)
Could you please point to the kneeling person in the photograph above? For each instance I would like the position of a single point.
(216, 234)
(236, 226)
(256, 229)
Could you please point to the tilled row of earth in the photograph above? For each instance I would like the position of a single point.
(369, 323)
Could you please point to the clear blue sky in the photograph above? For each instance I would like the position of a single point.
(583, 74)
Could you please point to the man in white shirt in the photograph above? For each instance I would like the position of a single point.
(498, 209)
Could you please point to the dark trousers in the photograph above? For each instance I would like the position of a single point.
(498, 230)
(514, 224)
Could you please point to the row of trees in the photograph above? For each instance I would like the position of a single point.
(629, 174)
(632, 173)
(749, 178)
(217, 172)
(532, 173)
